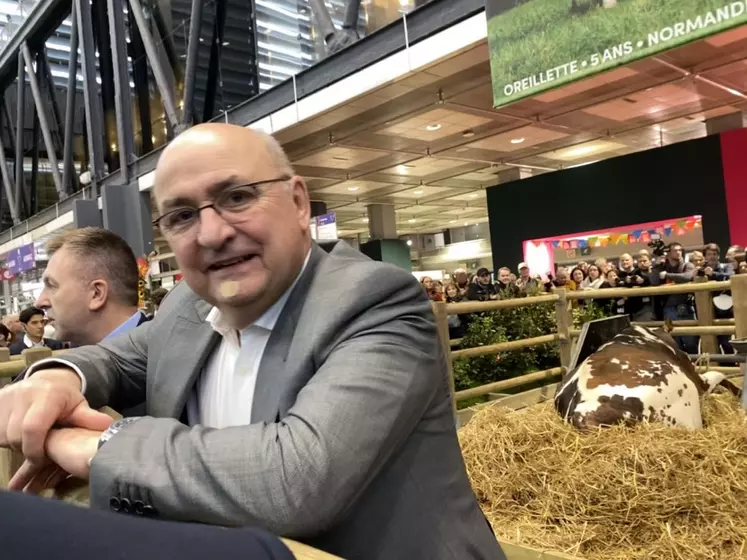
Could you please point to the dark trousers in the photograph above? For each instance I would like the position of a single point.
(688, 344)
(34, 528)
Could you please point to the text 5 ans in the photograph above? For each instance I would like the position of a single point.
(610, 54)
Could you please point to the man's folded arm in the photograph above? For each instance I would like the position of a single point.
(112, 372)
(298, 476)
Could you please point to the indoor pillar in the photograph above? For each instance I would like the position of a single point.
(724, 123)
(86, 213)
(384, 245)
(513, 174)
(382, 221)
(127, 212)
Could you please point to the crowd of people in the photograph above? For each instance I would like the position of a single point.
(629, 271)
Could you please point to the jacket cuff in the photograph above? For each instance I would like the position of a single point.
(50, 363)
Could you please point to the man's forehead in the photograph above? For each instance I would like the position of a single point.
(194, 187)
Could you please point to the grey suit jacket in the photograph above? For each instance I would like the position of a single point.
(352, 446)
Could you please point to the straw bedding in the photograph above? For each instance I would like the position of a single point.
(617, 493)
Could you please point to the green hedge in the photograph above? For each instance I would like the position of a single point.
(513, 324)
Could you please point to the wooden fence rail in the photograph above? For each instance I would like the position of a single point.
(705, 326)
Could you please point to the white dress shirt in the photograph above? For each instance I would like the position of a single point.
(31, 344)
(224, 394)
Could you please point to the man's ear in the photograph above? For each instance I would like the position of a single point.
(99, 292)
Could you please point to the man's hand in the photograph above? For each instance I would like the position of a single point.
(638, 280)
(69, 452)
(708, 271)
(663, 275)
(30, 408)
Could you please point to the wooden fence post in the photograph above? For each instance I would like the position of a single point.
(705, 315)
(32, 355)
(564, 319)
(442, 321)
(739, 297)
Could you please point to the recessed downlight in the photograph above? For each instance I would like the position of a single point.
(353, 189)
(433, 127)
(517, 140)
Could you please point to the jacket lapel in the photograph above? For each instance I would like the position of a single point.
(272, 373)
(191, 341)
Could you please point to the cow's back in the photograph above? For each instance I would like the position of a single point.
(629, 380)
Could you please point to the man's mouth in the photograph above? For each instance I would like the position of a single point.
(230, 262)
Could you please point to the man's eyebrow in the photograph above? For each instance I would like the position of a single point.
(213, 190)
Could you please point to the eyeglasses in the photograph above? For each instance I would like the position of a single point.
(231, 205)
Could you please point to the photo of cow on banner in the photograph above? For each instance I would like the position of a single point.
(538, 45)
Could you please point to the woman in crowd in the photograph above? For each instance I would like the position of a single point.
(697, 258)
(610, 280)
(594, 279)
(437, 292)
(457, 323)
(427, 283)
(577, 279)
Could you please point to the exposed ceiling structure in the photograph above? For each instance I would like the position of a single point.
(431, 143)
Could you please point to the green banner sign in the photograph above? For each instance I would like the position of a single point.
(537, 45)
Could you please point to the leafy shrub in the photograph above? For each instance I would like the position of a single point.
(514, 324)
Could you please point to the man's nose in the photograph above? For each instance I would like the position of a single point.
(42, 302)
(214, 230)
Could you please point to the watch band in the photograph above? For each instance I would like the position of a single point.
(115, 428)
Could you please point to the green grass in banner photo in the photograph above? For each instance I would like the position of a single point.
(537, 45)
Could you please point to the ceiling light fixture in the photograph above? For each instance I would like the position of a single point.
(466, 223)
(452, 221)
(474, 195)
(581, 151)
(226, 43)
(365, 220)
(517, 140)
(411, 221)
(353, 189)
(468, 133)
(419, 191)
(409, 242)
(402, 169)
(433, 127)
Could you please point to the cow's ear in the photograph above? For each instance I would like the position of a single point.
(668, 326)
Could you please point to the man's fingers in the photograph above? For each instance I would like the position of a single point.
(39, 419)
(83, 416)
(24, 475)
(38, 484)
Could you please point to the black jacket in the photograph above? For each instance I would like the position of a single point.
(18, 347)
(478, 292)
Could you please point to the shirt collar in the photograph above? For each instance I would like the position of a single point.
(129, 324)
(30, 343)
(267, 320)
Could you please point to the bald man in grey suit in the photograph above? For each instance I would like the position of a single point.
(291, 386)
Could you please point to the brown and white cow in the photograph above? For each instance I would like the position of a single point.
(640, 375)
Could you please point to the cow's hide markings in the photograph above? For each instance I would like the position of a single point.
(638, 376)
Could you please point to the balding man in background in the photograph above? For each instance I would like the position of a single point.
(278, 394)
(90, 286)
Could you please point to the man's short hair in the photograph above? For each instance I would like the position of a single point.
(28, 313)
(105, 255)
(157, 296)
(712, 247)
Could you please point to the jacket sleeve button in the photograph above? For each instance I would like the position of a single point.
(126, 506)
(115, 504)
(139, 507)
